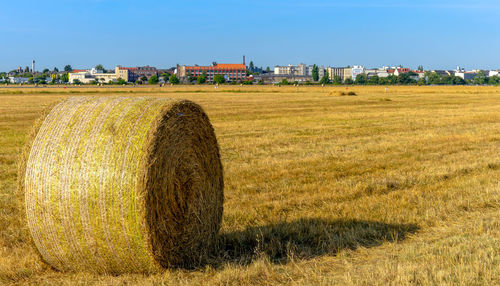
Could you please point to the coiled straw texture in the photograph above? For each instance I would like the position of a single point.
(120, 185)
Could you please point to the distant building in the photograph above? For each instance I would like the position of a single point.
(87, 76)
(494, 73)
(465, 75)
(231, 72)
(299, 70)
(444, 72)
(382, 72)
(343, 72)
(347, 73)
(357, 70)
(131, 74)
(333, 72)
(269, 78)
(321, 71)
(18, 80)
(283, 70)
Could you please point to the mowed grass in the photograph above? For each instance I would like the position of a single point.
(398, 187)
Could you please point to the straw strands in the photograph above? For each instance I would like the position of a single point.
(115, 185)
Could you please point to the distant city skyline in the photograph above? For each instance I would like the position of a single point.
(436, 34)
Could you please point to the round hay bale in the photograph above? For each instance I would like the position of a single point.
(117, 185)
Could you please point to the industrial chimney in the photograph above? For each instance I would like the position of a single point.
(244, 60)
(33, 66)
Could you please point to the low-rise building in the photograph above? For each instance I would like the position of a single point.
(269, 78)
(131, 74)
(300, 70)
(231, 72)
(466, 75)
(18, 80)
(357, 70)
(494, 73)
(444, 72)
(88, 76)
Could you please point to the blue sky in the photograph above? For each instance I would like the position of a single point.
(435, 34)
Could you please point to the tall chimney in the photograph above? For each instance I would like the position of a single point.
(244, 60)
(33, 66)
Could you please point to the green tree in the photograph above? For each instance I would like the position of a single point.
(284, 82)
(494, 80)
(315, 73)
(201, 79)
(26, 69)
(337, 80)
(383, 81)
(64, 78)
(251, 67)
(348, 81)
(325, 79)
(165, 76)
(422, 81)
(374, 80)
(153, 79)
(45, 71)
(190, 77)
(392, 79)
(99, 67)
(173, 79)
(268, 69)
(68, 68)
(480, 78)
(219, 79)
(405, 78)
(56, 69)
(434, 78)
(77, 81)
(121, 81)
(420, 68)
(361, 79)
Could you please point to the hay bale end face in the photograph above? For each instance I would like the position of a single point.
(117, 185)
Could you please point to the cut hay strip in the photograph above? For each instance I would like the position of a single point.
(119, 185)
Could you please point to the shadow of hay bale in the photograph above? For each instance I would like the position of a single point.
(305, 239)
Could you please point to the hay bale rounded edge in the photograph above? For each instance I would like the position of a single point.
(117, 185)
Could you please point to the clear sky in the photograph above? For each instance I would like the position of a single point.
(84, 33)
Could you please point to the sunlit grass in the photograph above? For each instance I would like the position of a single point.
(399, 186)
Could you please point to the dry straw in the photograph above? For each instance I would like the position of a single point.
(116, 185)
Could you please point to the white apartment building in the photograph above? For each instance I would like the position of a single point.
(357, 70)
(87, 76)
(300, 69)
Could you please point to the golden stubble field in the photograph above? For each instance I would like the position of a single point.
(387, 187)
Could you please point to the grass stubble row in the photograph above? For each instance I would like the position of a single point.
(117, 185)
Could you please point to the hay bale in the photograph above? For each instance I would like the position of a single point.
(116, 185)
(341, 93)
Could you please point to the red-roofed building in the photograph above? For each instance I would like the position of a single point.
(231, 72)
(398, 71)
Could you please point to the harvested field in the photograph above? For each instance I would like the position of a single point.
(398, 187)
